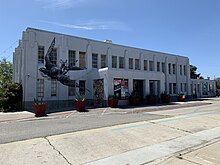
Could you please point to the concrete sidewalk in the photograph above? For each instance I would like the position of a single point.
(134, 143)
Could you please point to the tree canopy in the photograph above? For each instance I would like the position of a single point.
(193, 74)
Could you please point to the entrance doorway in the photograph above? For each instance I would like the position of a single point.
(154, 87)
(138, 88)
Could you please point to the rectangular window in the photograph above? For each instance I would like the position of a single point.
(185, 87)
(137, 64)
(82, 59)
(82, 87)
(54, 56)
(184, 70)
(170, 88)
(174, 88)
(40, 88)
(158, 66)
(151, 65)
(121, 62)
(41, 54)
(145, 65)
(114, 61)
(131, 63)
(181, 70)
(53, 87)
(121, 88)
(174, 69)
(72, 90)
(181, 87)
(95, 60)
(72, 58)
(103, 61)
(169, 68)
(163, 67)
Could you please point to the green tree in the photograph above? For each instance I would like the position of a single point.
(6, 72)
(193, 74)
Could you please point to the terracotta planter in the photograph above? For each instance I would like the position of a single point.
(181, 98)
(134, 100)
(165, 98)
(80, 105)
(113, 103)
(151, 100)
(40, 109)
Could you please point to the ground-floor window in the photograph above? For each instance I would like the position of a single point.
(82, 87)
(121, 88)
(40, 88)
(53, 87)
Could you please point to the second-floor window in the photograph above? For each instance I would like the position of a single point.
(131, 63)
(82, 59)
(158, 66)
(169, 68)
(151, 65)
(137, 64)
(95, 60)
(54, 56)
(103, 61)
(163, 67)
(72, 58)
(174, 69)
(145, 65)
(181, 70)
(114, 61)
(41, 54)
(121, 62)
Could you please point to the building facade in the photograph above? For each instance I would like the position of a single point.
(110, 69)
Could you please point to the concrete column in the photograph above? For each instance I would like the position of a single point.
(109, 57)
(89, 57)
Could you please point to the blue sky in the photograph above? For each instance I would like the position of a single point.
(184, 27)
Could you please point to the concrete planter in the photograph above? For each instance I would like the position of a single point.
(80, 105)
(113, 103)
(40, 109)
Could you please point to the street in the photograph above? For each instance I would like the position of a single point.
(187, 135)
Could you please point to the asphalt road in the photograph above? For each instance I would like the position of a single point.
(23, 130)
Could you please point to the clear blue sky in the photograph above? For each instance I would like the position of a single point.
(184, 27)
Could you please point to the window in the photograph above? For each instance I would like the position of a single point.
(169, 68)
(41, 54)
(95, 60)
(121, 62)
(184, 69)
(82, 59)
(72, 90)
(114, 61)
(151, 65)
(131, 63)
(72, 58)
(137, 64)
(174, 69)
(170, 88)
(158, 66)
(174, 88)
(181, 87)
(54, 56)
(103, 61)
(53, 87)
(181, 70)
(145, 65)
(121, 88)
(163, 67)
(185, 87)
(82, 87)
(40, 88)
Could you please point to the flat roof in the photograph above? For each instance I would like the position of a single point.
(40, 30)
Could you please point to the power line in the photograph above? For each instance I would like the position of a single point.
(11, 46)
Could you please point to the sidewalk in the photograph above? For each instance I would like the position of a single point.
(24, 115)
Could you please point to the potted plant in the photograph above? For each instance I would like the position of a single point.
(39, 107)
(80, 102)
(165, 98)
(151, 99)
(181, 97)
(112, 101)
(134, 98)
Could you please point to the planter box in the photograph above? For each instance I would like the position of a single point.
(134, 101)
(181, 98)
(40, 109)
(152, 100)
(80, 106)
(113, 103)
(165, 99)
